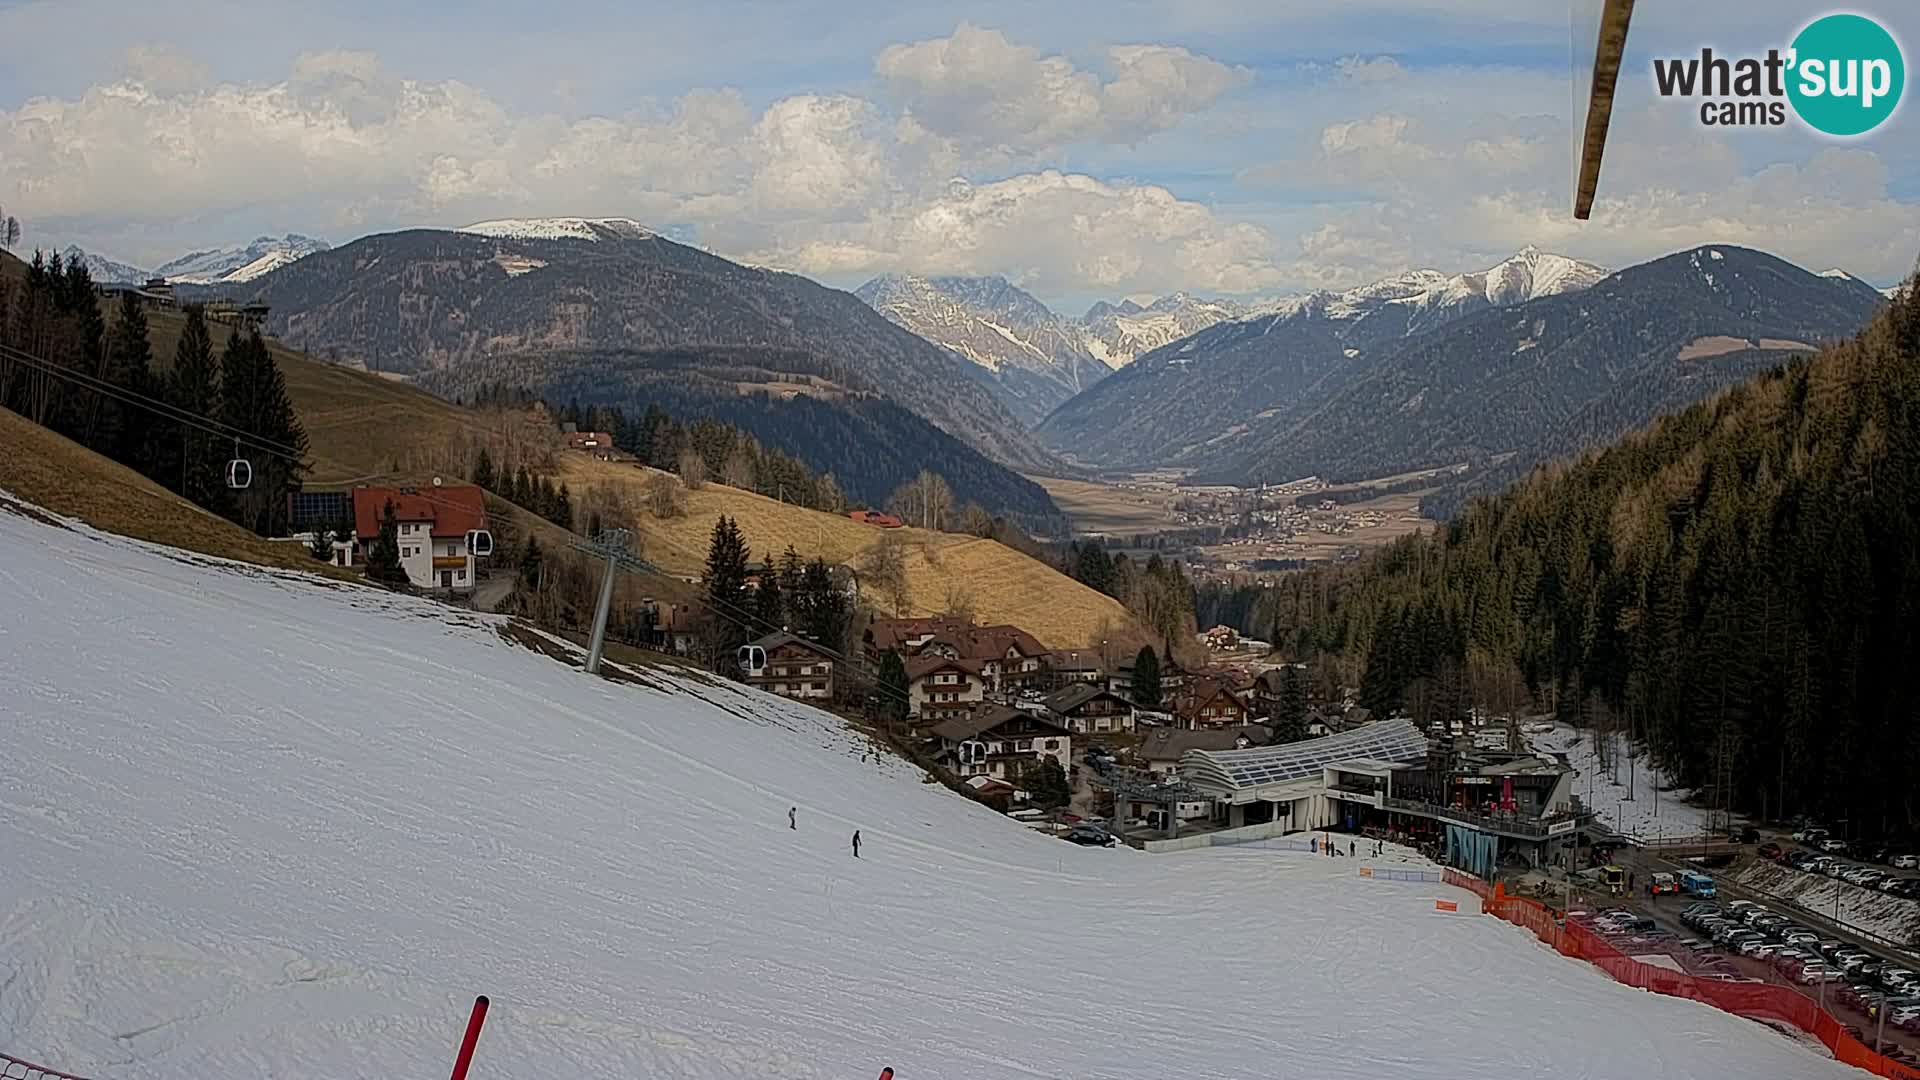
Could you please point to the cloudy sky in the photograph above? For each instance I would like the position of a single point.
(1085, 150)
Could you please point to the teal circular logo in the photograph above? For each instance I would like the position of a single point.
(1846, 74)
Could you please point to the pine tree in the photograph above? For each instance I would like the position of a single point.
(483, 470)
(383, 555)
(769, 603)
(726, 574)
(563, 508)
(891, 698)
(1290, 711)
(1146, 678)
(119, 428)
(254, 399)
(1046, 784)
(187, 459)
(829, 614)
(531, 562)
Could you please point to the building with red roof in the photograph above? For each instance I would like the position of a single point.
(432, 526)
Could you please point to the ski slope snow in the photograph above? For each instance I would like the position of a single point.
(258, 825)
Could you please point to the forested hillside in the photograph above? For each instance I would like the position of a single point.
(870, 444)
(1737, 585)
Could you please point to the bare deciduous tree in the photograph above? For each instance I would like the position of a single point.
(693, 469)
(926, 501)
(665, 497)
(886, 572)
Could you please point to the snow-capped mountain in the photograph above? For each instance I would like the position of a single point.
(105, 271)
(233, 265)
(1117, 334)
(1030, 356)
(1168, 405)
(561, 228)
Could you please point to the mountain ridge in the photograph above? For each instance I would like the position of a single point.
(1166, 409)
(1519, 380)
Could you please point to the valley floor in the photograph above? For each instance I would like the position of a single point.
(255, 825)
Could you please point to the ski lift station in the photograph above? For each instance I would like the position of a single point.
(1482, 808)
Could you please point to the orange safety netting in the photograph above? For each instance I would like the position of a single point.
(1757, 1000)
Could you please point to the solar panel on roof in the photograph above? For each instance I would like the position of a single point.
(1388, 741)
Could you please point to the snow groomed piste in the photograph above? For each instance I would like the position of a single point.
(254, 824)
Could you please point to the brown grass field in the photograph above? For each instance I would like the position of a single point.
(1105, 509)
(361, 427)
(59, 474)
(1004, 585)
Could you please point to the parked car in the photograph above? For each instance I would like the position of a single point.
(1905, 862)
(1662, 883)
(1771, 850)
(1091, 835)
(1833, 846)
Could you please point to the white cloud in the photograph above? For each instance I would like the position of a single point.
(1051, 232)
(818, 183)
(989, 94)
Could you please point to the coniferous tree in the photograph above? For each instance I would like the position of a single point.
(532, 561)
(253, 399)
(891, 697)
(120, 428)
(483, 470)
(1146, 678)
(769, 603)
(191, 463)
(1290, 711)
(829, 613)
(383, 555)
(1046, 784)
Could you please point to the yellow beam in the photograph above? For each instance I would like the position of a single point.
(1606, 72)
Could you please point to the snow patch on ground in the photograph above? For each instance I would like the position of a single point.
(1655, 810)
(560, 228)
(1892, 917)
(257, 824)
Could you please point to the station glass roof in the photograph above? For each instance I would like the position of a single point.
(1385, 741)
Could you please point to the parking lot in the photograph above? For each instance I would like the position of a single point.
(1743, 941)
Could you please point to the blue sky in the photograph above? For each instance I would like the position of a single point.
(1083, 150)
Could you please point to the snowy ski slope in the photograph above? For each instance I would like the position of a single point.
(256, 826)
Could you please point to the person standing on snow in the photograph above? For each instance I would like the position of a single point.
(856, 843)
(886, 1073)
(791, 811)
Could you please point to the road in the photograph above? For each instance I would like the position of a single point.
(1665, 911)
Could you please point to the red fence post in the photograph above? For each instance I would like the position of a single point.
(473, 1036)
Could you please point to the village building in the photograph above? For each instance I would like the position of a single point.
(1475, 810)
(431, 531)
(594, 443)
(999, 742)
(1210, 702)
(1160, 750)
(939, 688)
(1085, 709)
(876, 519)
(1009, 659)
(1079, 667)
(794, 668)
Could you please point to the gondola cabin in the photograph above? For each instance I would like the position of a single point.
(753, 661)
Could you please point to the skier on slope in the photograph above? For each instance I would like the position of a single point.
(791, 811)
(856, 843)
(886, 1073)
